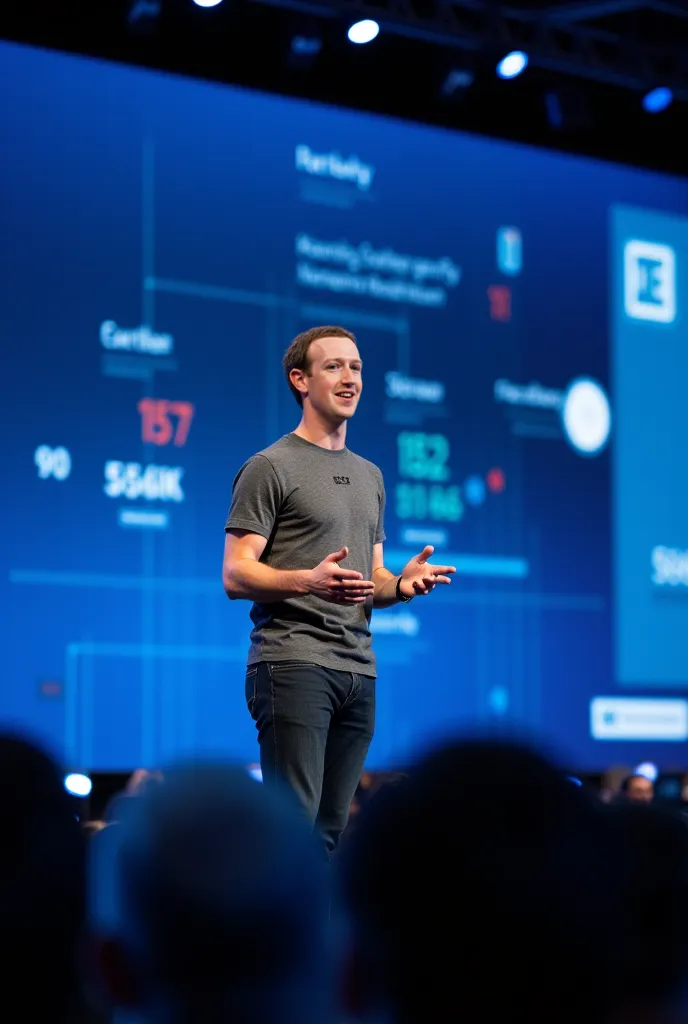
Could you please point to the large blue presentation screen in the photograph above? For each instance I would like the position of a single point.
(520, 318)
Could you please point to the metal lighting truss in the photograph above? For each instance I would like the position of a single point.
(560, 37)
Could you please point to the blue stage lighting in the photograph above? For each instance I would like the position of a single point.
(657, 99)
(78, 785)
(647, 770)
(513, 64)
(363, 31)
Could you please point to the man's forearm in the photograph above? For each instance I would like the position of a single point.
(385, 594)
(250, 580)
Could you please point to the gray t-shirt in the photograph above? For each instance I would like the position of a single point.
(307, 502)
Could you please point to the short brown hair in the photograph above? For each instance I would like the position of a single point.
(296, 356)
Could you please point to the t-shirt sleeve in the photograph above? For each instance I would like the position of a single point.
(256, 498)
(380, 531)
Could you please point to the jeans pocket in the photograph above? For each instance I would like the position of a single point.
(251, 688)
(277, 665)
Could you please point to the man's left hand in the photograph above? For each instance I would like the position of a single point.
(419, 576)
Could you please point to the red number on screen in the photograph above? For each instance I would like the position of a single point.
(163, 421)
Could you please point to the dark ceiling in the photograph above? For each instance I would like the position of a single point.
(590, 62)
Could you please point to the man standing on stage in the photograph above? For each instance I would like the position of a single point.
(304, 543)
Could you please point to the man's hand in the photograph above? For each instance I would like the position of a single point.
(419, 577)
(340, 586)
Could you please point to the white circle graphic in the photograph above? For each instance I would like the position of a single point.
(586, 416)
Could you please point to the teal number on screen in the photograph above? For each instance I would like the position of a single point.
(418, 501)
(423, 456)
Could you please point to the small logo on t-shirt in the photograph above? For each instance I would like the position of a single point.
(341, 479)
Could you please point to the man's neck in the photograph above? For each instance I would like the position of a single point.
(326, 435)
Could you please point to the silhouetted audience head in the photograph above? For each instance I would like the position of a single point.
(42, 886)
(612, 782)
(479, 887)
(219, 905)
(638, 789)
(139, 782)
(654, 873)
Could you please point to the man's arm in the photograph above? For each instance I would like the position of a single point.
(385, 593)
(245, 576)
(418, 577)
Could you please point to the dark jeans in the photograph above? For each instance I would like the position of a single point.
(314, 729)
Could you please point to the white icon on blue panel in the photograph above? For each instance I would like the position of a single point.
(650, 281)
(509, 250)
(586, 416)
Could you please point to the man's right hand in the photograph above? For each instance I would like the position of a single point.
(340, 586)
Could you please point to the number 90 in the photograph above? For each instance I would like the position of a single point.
(52, 462)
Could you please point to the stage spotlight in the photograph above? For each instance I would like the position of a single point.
(207, 3)
(78, 785)
(555, 114)
(513, 64)
(303, 51)
(143, 15)
(306, 46)
(567, 110)
(657, 99)
(457, 81)
(363, 31)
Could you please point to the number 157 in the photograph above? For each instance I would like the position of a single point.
(157, 423)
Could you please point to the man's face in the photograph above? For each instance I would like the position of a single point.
(334, 381)
(640, 790)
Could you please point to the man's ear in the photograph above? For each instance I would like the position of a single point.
(116, 974)
(299, 378)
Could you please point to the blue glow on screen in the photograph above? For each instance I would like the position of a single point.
(157, 269)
